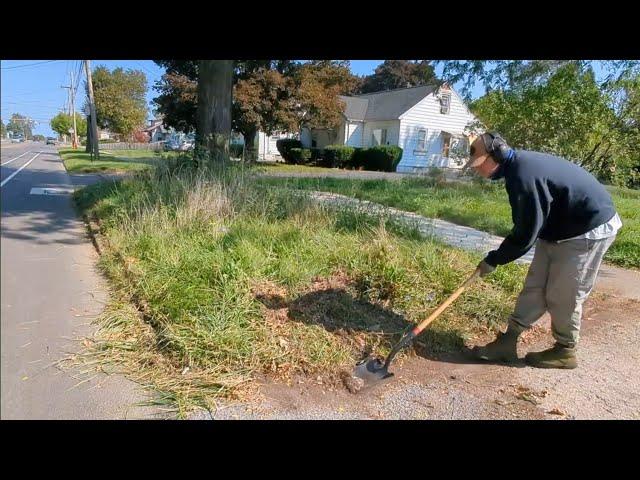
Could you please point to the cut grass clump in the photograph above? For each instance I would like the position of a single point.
(235, 279)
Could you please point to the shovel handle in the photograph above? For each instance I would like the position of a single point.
(445, 304)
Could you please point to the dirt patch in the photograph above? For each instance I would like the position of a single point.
(333, 304)
(453, 386)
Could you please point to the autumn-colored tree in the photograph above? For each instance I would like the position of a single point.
(268, 96)
(140, 136)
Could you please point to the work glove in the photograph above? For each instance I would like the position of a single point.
(485, 268)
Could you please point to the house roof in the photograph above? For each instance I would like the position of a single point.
(155, 126)
(387, 105)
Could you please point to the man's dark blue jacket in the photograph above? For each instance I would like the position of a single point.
(551, 198)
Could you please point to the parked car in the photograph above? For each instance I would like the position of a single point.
(187, 146)
(171, 146)
(17, 140)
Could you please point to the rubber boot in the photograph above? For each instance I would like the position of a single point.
(558, 356)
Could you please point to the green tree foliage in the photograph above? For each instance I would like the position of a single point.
(120, 98)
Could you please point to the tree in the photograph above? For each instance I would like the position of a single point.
(215, 84)
(567, 114)
(262, 102)
(316, 90)
(268, 96)
(399, 74)
(522, 74)
(178, 94)
(62, 122)
(21, 125)
(120, 99)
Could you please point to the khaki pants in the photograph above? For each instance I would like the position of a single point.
(560, 279)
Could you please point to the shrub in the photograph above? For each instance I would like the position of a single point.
(300, 155)
(235, 150)
(317, 155)
(380, 158)
(338, 156)
(284, 146)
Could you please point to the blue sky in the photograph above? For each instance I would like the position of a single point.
(33, 87)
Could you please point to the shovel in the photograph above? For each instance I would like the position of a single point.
(372, 370)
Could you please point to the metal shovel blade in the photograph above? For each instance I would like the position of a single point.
(372, 370)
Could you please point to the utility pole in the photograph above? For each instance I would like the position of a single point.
(92, 107)
(73, 109)
(72, 112)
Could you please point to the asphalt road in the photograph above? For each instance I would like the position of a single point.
(50, 293)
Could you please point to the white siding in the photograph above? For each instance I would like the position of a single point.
(305, 137)
(267, 149)
(321, 137)
(393, 131)
(426, 114)
(353, 134)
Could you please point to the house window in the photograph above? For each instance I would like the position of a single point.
(379, 137)
(422, 140)
(445, 102)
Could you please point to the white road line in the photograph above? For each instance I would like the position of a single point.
(14, 158)
(18, 171)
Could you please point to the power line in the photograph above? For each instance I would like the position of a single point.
(30, 64)
(148, 71)
(78, 76)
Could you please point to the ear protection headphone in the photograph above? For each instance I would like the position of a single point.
(496, 146)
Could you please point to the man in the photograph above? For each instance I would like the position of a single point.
(571, 218)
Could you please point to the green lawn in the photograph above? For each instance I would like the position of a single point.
(77, 161)
(479, 205)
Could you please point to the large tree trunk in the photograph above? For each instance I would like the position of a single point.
(214, 108)
(250, 150)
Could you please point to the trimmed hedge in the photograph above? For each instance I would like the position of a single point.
(300, 155)
(383, 158)
(317, 155)
(338, 156)
(235, 150)
(284, 146)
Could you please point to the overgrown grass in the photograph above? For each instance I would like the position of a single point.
(236, 279)
(77, 161)
(271, 168)
(480, 205)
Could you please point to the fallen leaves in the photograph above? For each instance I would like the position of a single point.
(529, 395)
(556, 411)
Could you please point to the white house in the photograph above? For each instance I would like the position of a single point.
(157, 131)
(427, 122)
(265, 144)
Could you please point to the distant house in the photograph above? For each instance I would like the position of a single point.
(104, 134)
(157, 131)
(428, 122)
